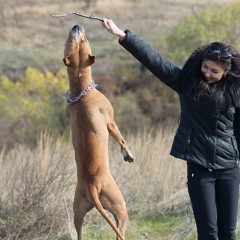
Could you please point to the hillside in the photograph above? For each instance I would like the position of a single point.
(31, 37)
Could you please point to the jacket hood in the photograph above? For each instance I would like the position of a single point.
(191, 73)
(195, 59)
(193, 80)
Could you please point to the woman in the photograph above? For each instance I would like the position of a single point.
(208, 136)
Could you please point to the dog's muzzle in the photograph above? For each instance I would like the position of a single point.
(77, 29)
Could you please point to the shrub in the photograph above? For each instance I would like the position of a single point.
(34, 187)
(212, 23)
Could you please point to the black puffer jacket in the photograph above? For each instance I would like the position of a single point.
(205, 135)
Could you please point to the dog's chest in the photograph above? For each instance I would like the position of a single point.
(87, 115)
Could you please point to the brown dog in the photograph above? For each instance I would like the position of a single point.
(91, 119)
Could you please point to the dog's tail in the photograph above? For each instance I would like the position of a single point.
(100, 208)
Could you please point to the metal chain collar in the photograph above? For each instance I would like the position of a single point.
(84, 92)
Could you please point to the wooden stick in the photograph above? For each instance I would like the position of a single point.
(78, 14)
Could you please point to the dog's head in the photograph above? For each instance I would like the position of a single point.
(77, 52)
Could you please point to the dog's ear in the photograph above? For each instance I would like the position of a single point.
(91, 59)
(66, 61)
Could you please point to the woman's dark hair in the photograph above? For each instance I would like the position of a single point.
(225, 55)
(218, 54)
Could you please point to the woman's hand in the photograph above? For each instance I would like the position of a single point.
(112, 28)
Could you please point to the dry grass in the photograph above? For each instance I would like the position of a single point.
(37, 185)
(33, 184)
(155, 174)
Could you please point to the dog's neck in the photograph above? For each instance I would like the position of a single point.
(79, 79)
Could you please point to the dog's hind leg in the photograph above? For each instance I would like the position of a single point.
(81, 206)
(112, 200)
(116, 134)
(121, 218)
(102, 205)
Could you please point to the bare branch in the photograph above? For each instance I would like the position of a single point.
(78, 14)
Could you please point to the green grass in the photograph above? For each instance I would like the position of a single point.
(158, 228)
(161, 228)
(164, 227)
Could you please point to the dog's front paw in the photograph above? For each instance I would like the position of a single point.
(128, 157)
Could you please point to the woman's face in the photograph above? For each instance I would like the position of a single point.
(212, 71)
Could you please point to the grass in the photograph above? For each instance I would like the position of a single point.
(155, 229)
(160, 228)
(139, 229)
(37, 186)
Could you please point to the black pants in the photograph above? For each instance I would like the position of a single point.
(214, 198)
